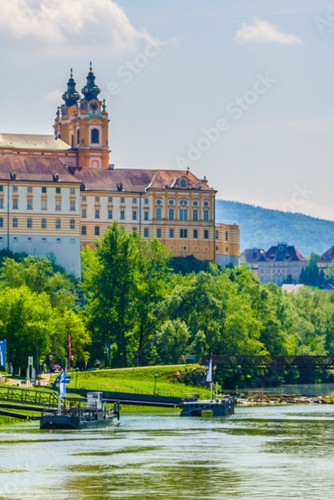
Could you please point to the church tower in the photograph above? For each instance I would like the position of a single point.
(83, 123)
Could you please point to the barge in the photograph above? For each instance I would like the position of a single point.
(210, 408)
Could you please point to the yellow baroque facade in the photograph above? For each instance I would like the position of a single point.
(59, 193)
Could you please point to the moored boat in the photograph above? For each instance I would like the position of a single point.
(79, 417)
(208, 408)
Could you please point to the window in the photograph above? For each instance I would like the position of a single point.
(109, 199)
(134, 200)
(44, 204)
(1, 188)
(146, 232)
(183, 233)
(84, 198)
(15, 189)
(171, 233)
(72, 190)
(195, 215)
(134, 215)
(206, 234)
(145, 215)
(72, 205)
(58, 190)
(226, 235)
(29, 223)
(122, 215)
(122, 200)
(206, 215)
(15, 223)
(78, 136)
(195, 233)
(72, 224)
(83, 230)
(1, 222)
(43, 189)
(217, 235)
(97, 230)
(97, 199)
(183, 203)
(183, 182)
(84, 213)
(109, 214)
(1, 202)
(146, 201)
(159, 202)
(171, 213)
(158, 232)
(183, 214)
(29, 189)
(97, 213)
(58, 205)
(206, 203)
(158, 213)
(95, 136)
(171, 202)
(15, 203)
(43, 224)
(58, 223)
(195, 203)
(29, 204)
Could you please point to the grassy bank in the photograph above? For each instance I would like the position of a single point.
(164, 380)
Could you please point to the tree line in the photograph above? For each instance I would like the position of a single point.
(135, 305)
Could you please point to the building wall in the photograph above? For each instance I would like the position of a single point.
(40, 219)
(278, 271)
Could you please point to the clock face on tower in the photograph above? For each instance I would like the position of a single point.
(93, 106)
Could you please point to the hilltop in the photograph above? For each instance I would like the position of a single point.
(263, 227)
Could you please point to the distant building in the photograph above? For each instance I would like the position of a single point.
(275, 265)
(326, 259)
(59, 193)
(292, 288)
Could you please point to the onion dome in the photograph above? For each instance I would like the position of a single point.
(71, 96)
(90, 90)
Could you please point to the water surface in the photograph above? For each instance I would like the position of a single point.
(261, 452)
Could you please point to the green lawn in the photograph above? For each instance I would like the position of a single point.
(140, 380)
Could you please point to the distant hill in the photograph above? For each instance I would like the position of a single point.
(262, 227)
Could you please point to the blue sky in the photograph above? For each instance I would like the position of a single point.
(240, 91)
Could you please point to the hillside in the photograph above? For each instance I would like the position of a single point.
(262, 227)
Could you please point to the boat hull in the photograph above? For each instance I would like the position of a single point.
(78, 418)
(211, 408)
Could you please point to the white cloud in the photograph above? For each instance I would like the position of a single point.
(264, 32)
(54, 96)
(65, 20)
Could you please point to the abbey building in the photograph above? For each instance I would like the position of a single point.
(59, 193)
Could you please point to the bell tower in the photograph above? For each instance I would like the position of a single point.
(83, 123)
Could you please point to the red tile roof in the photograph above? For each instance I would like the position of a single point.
(135, 180)
(33, 168)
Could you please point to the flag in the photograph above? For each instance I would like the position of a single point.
(3, 353)
(209, 372)
(62, 385)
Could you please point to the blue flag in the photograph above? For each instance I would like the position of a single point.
(62, 385)
(209, 372)
(3, 353)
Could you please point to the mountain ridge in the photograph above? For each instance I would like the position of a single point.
(263, 227)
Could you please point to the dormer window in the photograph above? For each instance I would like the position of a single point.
(183, 182)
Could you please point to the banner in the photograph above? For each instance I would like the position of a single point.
(3, 353)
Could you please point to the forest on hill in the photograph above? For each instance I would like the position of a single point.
(263, 227)
(133, 308)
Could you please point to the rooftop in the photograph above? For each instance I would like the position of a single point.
(32, 141)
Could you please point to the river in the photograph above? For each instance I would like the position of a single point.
(284, 452)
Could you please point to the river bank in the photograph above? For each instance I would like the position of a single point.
(258, 399)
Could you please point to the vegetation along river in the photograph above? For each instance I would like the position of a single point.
(260, 452)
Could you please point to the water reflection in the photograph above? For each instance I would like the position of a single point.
(269, 452)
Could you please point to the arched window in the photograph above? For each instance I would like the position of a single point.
(195, 215)
(78, 136)
(206, 215)
(158, 213)
(171, 214)
(95, 136)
